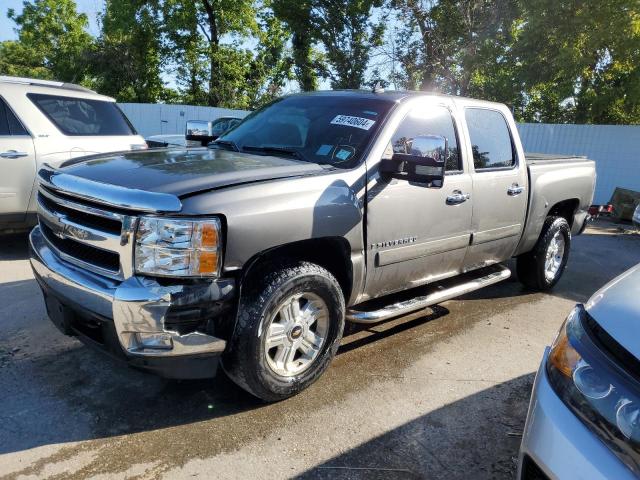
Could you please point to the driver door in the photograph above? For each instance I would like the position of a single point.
(415, 234)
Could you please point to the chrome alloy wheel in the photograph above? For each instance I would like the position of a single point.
(554, 256)
(296, 334)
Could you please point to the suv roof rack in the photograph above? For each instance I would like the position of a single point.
(44, 83)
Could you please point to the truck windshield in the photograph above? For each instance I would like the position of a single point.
(83, 116)
(334, 130)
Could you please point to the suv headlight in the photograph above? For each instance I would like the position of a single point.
(595, 387)
(175, 247)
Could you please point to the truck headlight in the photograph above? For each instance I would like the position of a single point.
(591, 382)
(175, 247)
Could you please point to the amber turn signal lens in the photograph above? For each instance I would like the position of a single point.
(563, 356)
(209, 236)
(208, 263)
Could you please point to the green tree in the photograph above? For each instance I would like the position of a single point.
(579, 60)
(348, 34)
(128, 61)
(52, 42)
(296, 15)
(186, 50)
(457, 46)
(236, 20)
(271, 66)
(208, 43)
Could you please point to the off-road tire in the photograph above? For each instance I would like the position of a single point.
(245, 360)
(531, 265)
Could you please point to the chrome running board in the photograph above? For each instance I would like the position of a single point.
(496, 274)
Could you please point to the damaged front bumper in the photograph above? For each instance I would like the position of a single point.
(137, 319)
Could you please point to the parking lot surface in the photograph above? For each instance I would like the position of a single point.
(439, 394)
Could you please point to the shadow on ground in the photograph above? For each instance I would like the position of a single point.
(57, 390)
(444, 442)
(14, 246)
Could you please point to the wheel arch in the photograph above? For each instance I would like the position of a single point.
(566, 209)
(331, 253)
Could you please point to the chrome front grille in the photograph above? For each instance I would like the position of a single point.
(91, 237)
(92, 224)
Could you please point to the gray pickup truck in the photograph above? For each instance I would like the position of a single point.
(315, 210)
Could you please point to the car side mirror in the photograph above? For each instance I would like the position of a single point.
(424, 164)
(200, 131)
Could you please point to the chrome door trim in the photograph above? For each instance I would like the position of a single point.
(496, 234)
(411, 252)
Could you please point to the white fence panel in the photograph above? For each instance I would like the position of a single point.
(160, 119)
(615, 149)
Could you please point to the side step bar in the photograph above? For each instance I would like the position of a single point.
(496, 274)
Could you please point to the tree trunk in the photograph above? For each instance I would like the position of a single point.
(215, 95)
(305, 73)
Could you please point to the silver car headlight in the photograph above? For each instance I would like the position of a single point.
(594, 386)
(175, 247)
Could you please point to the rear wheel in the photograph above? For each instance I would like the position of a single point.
(290, 323)
(542, 268)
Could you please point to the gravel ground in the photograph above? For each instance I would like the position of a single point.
(438, 394)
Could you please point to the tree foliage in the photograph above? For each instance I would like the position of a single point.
(348, 34)
(580, 60)
(52, 42)
(551, 60)
(128, 60)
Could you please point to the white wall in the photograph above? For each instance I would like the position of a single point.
(615, 148)
(157, 119)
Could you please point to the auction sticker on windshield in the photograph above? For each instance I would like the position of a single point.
(357, 122)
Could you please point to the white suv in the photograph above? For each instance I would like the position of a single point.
(50, 122)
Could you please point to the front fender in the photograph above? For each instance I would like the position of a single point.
(261, 216)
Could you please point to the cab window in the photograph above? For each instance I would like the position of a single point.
(434, 120)
(490, 139)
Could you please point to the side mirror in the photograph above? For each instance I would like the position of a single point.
(425, 162)
(200, 131)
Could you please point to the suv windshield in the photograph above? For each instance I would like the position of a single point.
(82, 116)
(333, 130)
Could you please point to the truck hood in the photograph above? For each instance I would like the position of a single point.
(616, 308)
(185, 171)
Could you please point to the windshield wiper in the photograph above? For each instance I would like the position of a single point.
(292, 152)
(225, 145)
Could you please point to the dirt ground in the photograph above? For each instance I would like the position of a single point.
(438, 394)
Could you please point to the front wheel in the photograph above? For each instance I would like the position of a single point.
(542, 268)
(289, 327)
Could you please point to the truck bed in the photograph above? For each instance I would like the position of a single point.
(538, 158)
(553, 179)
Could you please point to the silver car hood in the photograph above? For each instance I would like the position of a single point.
(616, 308)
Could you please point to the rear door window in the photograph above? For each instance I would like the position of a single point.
(490, 139)
(9, 124)
(82, 116)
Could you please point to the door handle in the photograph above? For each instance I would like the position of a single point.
(13, 154)
(514, 190)
(457, 197)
